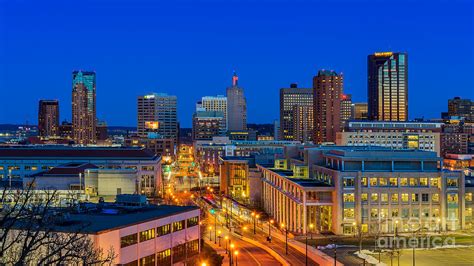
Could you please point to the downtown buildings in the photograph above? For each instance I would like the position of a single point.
(84, 119)
(157, 116)
(236, 107)
(48, 118)
(387, 83)
(296, 113)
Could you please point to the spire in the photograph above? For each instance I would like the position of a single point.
(235, 79)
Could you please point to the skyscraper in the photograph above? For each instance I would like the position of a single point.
(291, 98)
(387, 86)
(48, 118)
(346, 110)
(236, 106)
(207, 124)
(157, 116)
(327, 91)
(303, 123)
(84, 119)
(215, 103)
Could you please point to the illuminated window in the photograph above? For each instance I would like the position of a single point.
(363, 181)
(164, 257)
(395, 197)
(414, 197)
(374, 197)
(413, 182)
(193, 221)
(434, 181)
(424, 182)
(147, 235)
(452, 182)
(435, 197)
(393, 181)
(348, 213)
(374, 212)
(163, 230)
(364, 197)
(373, 181)
(404, 197)
(403, 181)
(384, 197)
(468, 196)
(178, 226)
(129, 240)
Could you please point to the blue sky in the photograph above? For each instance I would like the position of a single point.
(190, 48)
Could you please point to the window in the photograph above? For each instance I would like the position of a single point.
(468, 196)
(164, 257)
(435, 197)
(348, 213)
(193, 221)
(373, 181)
(434, 182)
(415, 212)
(393, 181)
(148, 168)
(193, 247)
(374, 197)
(129, 240)
(395, 197)
(424, 182)
(348, 197)
(365, 212)
(147, 234)
(383, 181)
(363, 197)
(414, 197)
(404, 197)
(395, 212)
(413, 182)
(374, 212)
(179, 252)
(384, 197)
(403, 181)
(178, 226)
(383, 212)
(425, 213)
(348, 182)
(452, 198)
(163, 230)
(405, 212)
(424, 197)
(363, 181)
(452, 182)
(148, 260)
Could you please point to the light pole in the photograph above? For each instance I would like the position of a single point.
(235, 254)
(270, 230)
(413, 231)
(219, 236)
(311, 230)
(210, 232)
(306, 251)
(254, 215)
(230, 253)
(226, 241)
(286, 237)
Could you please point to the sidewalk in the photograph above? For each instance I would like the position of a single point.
(220, 250)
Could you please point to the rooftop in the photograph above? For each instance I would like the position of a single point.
(66, 169)
(69, 152)
(113, 218)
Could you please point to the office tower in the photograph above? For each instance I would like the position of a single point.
(208, 124)
(327, 92)
(463, 108)
(346, 110)
(65, 130)
(157, 116)
(289, 99)
(388, 86)
(236, 106)
(215, 103)
(84, 118)
(303, 123)
(359, 111)
(101, 131)
(48, 118)
(276, 129)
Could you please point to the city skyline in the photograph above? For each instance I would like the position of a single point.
(266, 61)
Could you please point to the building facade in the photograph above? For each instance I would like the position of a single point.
(208, 124)
(396, 135)
(327, 93)
(346, 110)
(215, 103)
(157, 115)
(462, 108)
(303, 123)
(387, 86)
(19, 162)
(48, 118)
(290, 99)
(236, 106)
(359, 111)
(380, 190)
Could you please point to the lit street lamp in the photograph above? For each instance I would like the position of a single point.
(286, 237)
(235, 254)
(210, 232)
(270, 230)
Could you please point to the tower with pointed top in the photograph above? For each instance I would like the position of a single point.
(84, 120)
(236, 106)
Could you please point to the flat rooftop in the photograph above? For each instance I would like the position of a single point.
(94, 222)
(304, 182)
(69, 152)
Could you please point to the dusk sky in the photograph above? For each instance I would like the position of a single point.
(190, 48)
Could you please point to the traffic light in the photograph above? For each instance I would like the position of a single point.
(212, 211)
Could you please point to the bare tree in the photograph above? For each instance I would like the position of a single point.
(32, 232)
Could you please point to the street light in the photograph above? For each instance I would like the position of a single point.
(226, 240)
(230, 253)
(270, 230)
(254, 215)
(210, 232)
(219, 236)
(203, 264)
(311, 230)
(236, 253)
(286, 237)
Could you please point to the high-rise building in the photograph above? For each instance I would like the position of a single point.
(461, 108)
(387, 86)
(84, 119)
(303, 123)
(236, 106)
(346, 110)
(157, 116)
(359, 111)
(291, 98)
(215, 103)
(327, 93)
(207, 124)
(48, 118)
